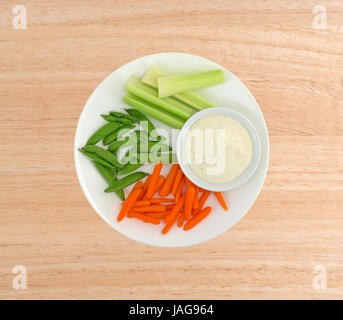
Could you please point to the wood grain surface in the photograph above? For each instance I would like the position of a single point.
(48, 71)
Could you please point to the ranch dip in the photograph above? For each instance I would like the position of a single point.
(218, 148)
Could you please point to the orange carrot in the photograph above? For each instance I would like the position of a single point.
(141, 203)
(221, 200)
(179, 189)
(134, 194)
(175, 211)
(189, 183)
(151, 208)
(181, 220)
(160, 182)
(178, 177)
(196, 200)
(196, 219)
(144, 217)
(145, 187)
(203, 198)
(170, 206)
(154, 178)
(189, 198)
(168, 183)
(169, 225)
(157, 215)
(161, 200)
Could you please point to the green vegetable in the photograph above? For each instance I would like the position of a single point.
(151, 146)
(141, 135)
(144, 136)
(122, 121)
(194, 100)
(155, 137)
(121, 115)
(159, 147)
(151, 76)
(131, 142)
(126, 181)
(163, 157)
(110, 178)
(150, 95)
(188, 97)
(128, 168)
(142, 117)
(144, 150)
(103, 132)
(116, 134)
(153, 111)
(169, 85)
(97, 159)
(145, 146)
(115, 146)
(104, 154)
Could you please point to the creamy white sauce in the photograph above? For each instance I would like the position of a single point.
(218, 148)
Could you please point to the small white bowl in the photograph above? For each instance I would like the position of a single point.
(247, 173)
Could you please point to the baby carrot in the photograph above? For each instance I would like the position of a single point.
(181, 220)
(144, 217)
(161, 200)
(175, 211)
(221, 200)
(196, 200)
(134, 194)
(141, 203)
(189, 183)
(160, 182)
(179, 189)
(203, 198)
(152, 185)
(169, 225)
(189, 198)
(168, 183)
(145, 187)
(178, 177)
(151, 208)
(196, 219)
(156, 215)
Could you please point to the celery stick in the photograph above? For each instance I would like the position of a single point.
(151, 76)
(188, 97)
(169, 85)
(193, 99)
(150, 95)
(153, 111)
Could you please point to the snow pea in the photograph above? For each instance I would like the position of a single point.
(97, 159)
(126, 181)
(128, 168)
(116, 134)
(103, 132)
(104, 154)
(142, 117)
(110, 178)
(114, 146)
(124, 116)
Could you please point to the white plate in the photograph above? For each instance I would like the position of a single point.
(108, 96)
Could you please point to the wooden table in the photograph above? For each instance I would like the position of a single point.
(294, 70)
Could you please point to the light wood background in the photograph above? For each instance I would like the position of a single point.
(48, 71)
